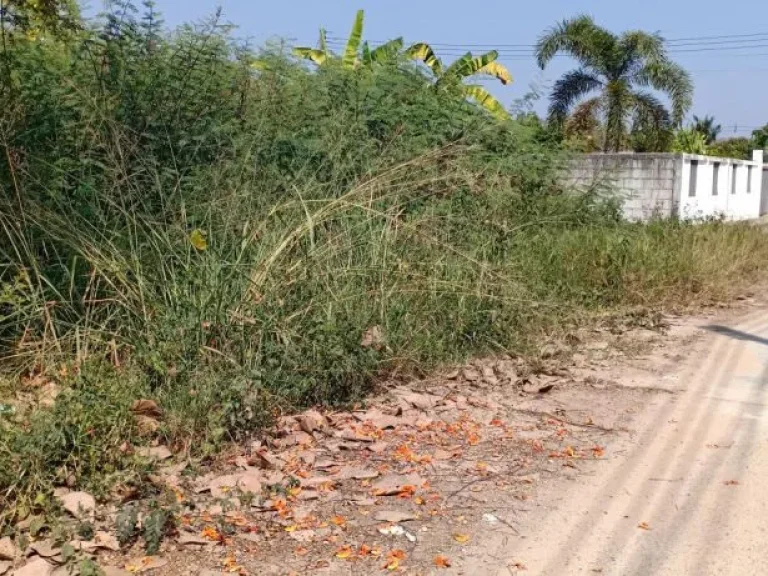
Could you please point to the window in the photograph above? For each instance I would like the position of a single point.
(715, 177)
(749, 179)
(693, 178)
(733, 178)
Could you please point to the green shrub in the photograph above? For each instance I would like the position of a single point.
(181, 227)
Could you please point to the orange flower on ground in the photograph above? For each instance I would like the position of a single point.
(442, 562)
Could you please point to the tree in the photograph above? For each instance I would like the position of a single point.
(34, 18)
(358, 53)
(707, 127)
(352, 57)
(620, 69)
(760, 138)
(740, 148)
(452, 78)
(689, 140)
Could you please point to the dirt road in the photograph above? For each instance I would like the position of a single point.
(683, 493)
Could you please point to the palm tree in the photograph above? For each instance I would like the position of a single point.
(707, 127)
(621, 68)
(452, 78)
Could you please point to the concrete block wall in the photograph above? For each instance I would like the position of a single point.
(663, 185)
(644, 182)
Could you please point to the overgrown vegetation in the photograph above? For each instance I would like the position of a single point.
(177, 225)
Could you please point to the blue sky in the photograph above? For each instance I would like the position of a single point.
(731, 84)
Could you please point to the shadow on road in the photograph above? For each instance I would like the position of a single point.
(736, 334)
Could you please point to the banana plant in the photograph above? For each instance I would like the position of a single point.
(465, 67)
(352, 57)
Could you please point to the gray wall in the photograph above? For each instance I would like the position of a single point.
(647, 183)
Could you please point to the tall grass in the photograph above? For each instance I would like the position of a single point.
(176, 225)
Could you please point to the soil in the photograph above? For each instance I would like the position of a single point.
(491, 469)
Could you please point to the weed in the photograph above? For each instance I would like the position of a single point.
(126, 524)
(179, 227)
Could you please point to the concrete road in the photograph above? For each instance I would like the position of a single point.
(688, 493)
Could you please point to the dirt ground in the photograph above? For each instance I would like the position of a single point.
(490, 469)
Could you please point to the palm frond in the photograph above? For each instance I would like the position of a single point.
(569, 89)
(673, 80)
(580, 37)
(637, 45)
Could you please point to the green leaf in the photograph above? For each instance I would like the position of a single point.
(387, 52)
(468, 65)
(367, 58)
(312, 54)
(323, 44)
(484, 99)
(424, 52)
(353, 44)
(197, 239)
(498, 71)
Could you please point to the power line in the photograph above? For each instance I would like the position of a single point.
(755, 40)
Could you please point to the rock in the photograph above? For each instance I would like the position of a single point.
(394, 516)
(37, 567)
(8, 550)
(471, 375)
(155, 453)
(312, 420)
(79, 504)
(5, 567)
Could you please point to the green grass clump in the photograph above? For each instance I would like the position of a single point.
(178, 226)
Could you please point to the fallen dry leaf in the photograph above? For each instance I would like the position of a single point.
(598, 451)
(442, 562)
(462, 538)
(731, 482)
(312, 420)
(395, 484)
(372, 338)
(210, 533)
(644, 526)
(344, 552)
(148, 408)
(78, 504)
(339, 521)
(394, 557)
